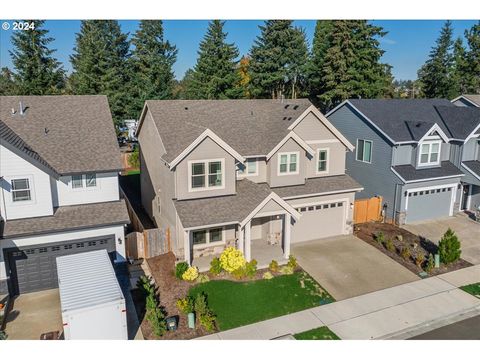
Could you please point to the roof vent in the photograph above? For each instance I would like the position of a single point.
(290, 118)
(46, 131)
(186, 108)
(286, 106)
(251, 113)
(14, 111)
(295, 107)
(418, 125)
(22, 109)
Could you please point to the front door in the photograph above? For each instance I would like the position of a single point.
(466, 191)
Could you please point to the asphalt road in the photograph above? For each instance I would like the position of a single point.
(468, 329)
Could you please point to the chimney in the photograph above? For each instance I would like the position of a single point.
(21, 108)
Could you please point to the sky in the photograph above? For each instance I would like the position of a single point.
(406, 45)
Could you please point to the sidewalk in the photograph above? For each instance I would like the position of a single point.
(382, 314)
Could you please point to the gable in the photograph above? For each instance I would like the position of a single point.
(270, 207)
(311, 129)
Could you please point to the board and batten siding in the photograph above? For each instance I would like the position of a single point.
(376, 177)
(15, 166)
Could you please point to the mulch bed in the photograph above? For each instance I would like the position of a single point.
(416, 244)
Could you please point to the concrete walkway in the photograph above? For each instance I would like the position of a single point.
(382, 314)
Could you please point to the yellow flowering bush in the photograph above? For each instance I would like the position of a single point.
(232, 259)
(190, 274)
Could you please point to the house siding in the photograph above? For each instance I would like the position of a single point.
(470, 150)
(262, 170)
(285, 180)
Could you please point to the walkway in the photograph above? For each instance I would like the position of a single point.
(389, 313)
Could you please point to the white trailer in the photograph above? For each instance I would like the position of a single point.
(92, 302)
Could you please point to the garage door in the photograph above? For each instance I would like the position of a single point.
(428, 204)
(319, 221)
(34, 268)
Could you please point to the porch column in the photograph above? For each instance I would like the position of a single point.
(241, 243)
(186, 247)
(248, 241)
(287, 219)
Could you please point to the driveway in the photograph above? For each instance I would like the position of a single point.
(347, 266)
(34, 314)
(468, 232)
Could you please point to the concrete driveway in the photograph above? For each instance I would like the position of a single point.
(468, 232)
(347, 266)
(34, 314)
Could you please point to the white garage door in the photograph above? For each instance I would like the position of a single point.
(429, 204)
(319, 221)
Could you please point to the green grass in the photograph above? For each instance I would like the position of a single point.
(133, 172)
(473, 289)
(321, 333)
(242, 303)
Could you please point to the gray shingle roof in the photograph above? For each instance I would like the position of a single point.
(473, 166)
(68, 218)
(319, 185)
(251, 127)
(409, 173)
(73, 134)
(397, 117)
(460, 120)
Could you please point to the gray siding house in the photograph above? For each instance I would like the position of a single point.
(420, 155)
(254, 174)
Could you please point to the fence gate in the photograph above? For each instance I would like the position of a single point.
(366, 210)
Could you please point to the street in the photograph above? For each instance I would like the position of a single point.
(468, 329)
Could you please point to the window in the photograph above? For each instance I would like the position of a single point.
(205, 237)
(91, 180)
(249, 168)
(206, 174)
(364, 150)
(288, 163)
(77, 181)
(430, 153)
(21, 190)
(322, 165)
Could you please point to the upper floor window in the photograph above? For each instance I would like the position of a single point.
(206, 174)
(322, 164)
(429, 153)
(288, 163)
(81, 181)
(250, 168)
(21, 190)
(364, 150)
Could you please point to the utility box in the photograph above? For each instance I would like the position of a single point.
(92, 302)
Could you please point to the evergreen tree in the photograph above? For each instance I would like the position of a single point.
(215, 75)
(7, 85)
(435, 74)
(185, 86)
(100, 64)
(279, 58)
(37, 72)
(460, 70)
(473, 59)
(152, 60)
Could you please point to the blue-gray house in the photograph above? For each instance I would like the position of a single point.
(421, 155)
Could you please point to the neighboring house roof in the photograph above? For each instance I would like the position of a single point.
(68, 218)
(408, 173)
(251, 127)
(319, 185)
(460, 121)
(473, 99)
(473, 167)
(72, 134)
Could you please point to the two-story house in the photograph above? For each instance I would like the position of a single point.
(59, 194)
(255, 174)
(412, 153)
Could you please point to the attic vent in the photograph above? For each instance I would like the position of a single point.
(290, 118)
(186, 108)
(295, 107)
(286, 106)
(284, 118)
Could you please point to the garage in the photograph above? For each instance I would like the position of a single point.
(428, 204)
(319, 221)
(33, 268)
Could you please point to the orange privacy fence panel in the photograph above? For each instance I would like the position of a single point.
(366, 210)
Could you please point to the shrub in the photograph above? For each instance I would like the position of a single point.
(273, 266)
(207, 321)
(3, 335)
(144, 283)
(191, 274)
(134, 158)
(185, 305)
(155, 315)
(419, 259)
(405, 253)
(449, 247)
(389, 245)
(430, 263)
(379, 237)
(232, 259)
(251, 268)
(203, 278)
(286, 270)
(180, 268)
(292, 262)
(215, 266)
(204, 314)
(267, 275)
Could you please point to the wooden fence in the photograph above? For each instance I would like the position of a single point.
(366, 210)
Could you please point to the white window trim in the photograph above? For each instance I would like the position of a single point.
(289, 153)
(430, 143)
(206, 187)
(318, 172)
(30, 187)
(371, 151)
(207, 235)
(246, 173)
(84, 186)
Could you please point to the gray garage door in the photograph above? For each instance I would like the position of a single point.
(319, 221)
(429, 204)
(34, 268)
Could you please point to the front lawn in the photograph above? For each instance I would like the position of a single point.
(472, 289)
(321, 333)
(242, 303)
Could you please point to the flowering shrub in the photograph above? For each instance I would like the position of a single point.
(232, 259)
(267, 275)
(286, 270)
(185, 305)
(292, 262)
(190, 274)
(273, 267)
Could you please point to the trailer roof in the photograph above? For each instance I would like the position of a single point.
(87, 279)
